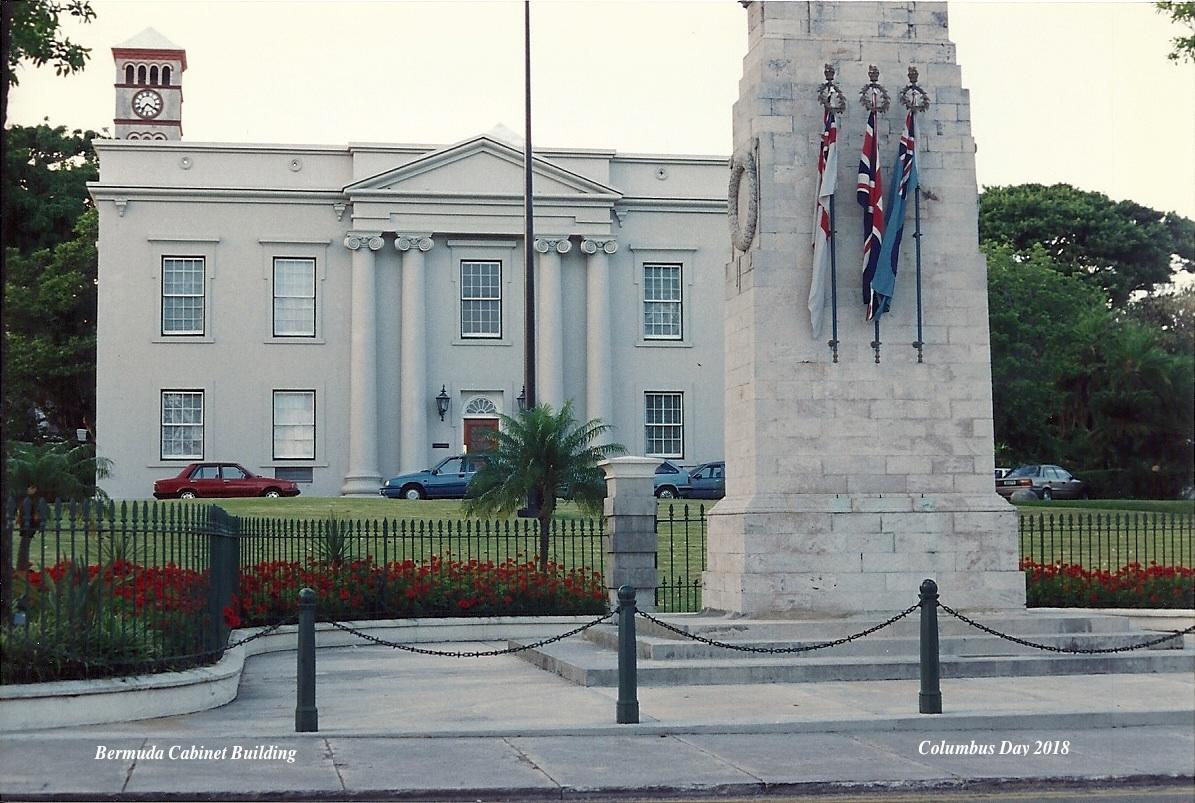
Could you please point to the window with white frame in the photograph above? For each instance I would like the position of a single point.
(294, 297)
(294, 424)
(182, 425)
(665, 424)
(662, 306)
(182, 295)
(481, 299)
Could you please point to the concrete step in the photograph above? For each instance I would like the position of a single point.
(975, 644)
(1025, 625)
(586, 663)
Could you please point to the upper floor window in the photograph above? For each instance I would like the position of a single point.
(481, 299)
(141, 74)
(662, 306)
(294, 424)
(182, 295)
(153, 75)
(182, 425)
(294, 297)
(664, 431)
(165, 76)
(128, 73)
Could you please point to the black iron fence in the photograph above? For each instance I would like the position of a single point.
(680, 556)
(101, 589)
(107, 589)
(1108, 541)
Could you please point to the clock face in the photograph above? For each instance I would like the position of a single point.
(147, 103)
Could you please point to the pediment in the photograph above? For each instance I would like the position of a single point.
(481, 166)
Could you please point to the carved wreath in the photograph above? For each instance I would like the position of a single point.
(742, 232)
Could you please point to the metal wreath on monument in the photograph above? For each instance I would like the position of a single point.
(742, 165)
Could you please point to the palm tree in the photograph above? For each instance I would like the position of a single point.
(537, 455)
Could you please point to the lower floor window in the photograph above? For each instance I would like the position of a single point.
(294, 473)
(294, 424)
(665, 428)
(182, 425)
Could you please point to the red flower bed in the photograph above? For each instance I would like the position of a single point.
(1131, 586)
(134, 589)
(363, 589)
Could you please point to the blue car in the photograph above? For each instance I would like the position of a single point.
(672, 481)
(449, 479)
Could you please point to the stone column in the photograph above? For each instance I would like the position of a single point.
(549, 302)
(599, 390)
(630, 512)
(851, 481)
(413, 399)
(363, 478)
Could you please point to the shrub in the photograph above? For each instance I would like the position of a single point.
(1132, 586)
(362, 589)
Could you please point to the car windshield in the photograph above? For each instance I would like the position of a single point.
(1025, 471)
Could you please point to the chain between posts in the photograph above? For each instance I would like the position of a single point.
(263, 632)
(1070, 651)
(471, 653)
(780, 650)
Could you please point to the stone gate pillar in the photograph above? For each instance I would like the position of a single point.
(849, 483)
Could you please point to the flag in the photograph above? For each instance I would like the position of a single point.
(870, 195)
(883, 284)
(827, 179)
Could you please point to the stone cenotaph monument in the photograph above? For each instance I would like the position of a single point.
(858, 460)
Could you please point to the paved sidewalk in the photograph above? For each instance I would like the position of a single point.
(400, 725)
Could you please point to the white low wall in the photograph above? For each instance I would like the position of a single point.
(67, 703)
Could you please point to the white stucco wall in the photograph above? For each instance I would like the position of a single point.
(241, 205)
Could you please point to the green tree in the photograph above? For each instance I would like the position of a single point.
(1035, 313)
(46, 171)
(49, 360)
(1120, 246)
(32, 33)
(1172, 315)
(1182, 47)
(537, 454)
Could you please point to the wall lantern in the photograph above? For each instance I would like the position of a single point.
(442, 402)
(522, 399)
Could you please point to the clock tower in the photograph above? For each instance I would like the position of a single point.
(149, 91)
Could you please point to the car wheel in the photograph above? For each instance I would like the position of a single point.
(666, 492)
(187, 495)
(272, 493)
(1047, 494)
(1084, 495)
(412, 493)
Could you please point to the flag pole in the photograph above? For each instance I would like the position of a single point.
(833, 288)
(916, 100)
(834, 103)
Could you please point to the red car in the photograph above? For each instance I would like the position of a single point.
(221, 479)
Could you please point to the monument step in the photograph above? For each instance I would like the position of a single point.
(586, 663)
(971, 645)
(1025, 625)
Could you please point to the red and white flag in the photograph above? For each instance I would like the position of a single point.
(870, 195)
(827, 178)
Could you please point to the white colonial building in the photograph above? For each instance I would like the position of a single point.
(300, 308)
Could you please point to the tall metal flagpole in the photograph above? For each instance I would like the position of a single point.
(916, 100)
(529, 233)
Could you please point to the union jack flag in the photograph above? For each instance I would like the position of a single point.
(883, 284)
(827, 178)
(870, 195)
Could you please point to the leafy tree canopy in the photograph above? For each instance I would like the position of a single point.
(49, 309)
(1119, 246)
(46, 171)
(1171, 315)
(32, 33)
(537, 455)
(1182, 47)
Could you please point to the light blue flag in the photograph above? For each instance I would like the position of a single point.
(883, 284)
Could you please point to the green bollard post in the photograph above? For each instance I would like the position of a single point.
(306, 714)
(930, 699)
(627, 708)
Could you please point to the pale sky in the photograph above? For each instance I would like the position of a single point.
(1074, 92)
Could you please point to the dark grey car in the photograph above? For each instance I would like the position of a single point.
(1048, 482)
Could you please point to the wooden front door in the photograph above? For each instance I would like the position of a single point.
(481, 434)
